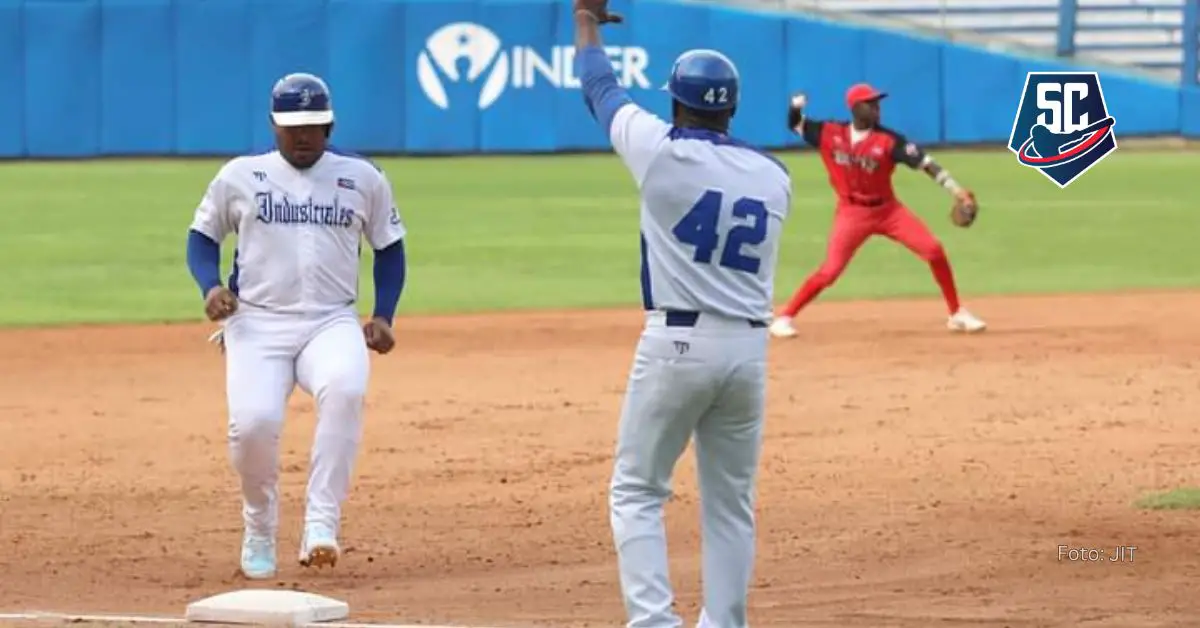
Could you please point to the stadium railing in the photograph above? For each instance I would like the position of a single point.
(1157, 36)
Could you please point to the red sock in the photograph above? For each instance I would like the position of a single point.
(809, 291)
(945, 280)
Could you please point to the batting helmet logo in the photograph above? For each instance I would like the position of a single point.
(438, 63)
(1062, 127)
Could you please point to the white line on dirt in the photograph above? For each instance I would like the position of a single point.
(143, 619)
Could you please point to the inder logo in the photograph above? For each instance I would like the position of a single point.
(467, 53)
(438, 63)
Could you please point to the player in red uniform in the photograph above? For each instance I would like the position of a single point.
(860, 157)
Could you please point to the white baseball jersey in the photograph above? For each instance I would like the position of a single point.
(299, 232)
(712, 210)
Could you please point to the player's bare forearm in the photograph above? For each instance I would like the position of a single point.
(587, 30)
(911, 155)
(589, 15)
(940, 175)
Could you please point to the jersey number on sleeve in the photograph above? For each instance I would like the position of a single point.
(698, 227)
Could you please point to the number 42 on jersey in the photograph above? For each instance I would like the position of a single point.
(699, 228)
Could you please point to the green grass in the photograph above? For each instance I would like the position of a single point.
(1178, 499)
(103, 241)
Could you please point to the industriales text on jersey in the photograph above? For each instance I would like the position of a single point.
(307, 212)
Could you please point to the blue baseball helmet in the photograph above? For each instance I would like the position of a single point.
(704, 79)
(301, 100)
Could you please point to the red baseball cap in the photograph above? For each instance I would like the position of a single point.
(862, 92)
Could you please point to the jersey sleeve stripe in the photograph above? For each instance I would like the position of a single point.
(647, 290)
(719, 139)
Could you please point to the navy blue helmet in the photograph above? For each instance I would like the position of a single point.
(704, 79)
(301, 99)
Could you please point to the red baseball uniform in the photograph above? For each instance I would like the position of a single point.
(860, 165)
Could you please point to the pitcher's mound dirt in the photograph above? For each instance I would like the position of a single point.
(911, 477)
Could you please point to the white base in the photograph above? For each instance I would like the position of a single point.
(270, 607)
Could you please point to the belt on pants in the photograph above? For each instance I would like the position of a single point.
(683, 318)
(867, 201)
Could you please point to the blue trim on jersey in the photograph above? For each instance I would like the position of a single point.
(204, 261)
(235, 274)
(601, 92)
(390, 272)
(720, 139)
(352, 155)
(647, 292)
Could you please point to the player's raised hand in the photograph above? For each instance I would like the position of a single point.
(219, 304)
(796, 111)
(379, 336)
(599, 10)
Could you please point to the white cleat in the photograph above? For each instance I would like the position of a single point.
(964, 321)
(782, 328)
(319, 548)
(258, 557)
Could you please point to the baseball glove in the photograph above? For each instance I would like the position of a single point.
(965, 210)
(599, 11)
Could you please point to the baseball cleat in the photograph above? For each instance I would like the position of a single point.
(258, 557)
(964, 321)
(319, 547)
(782, 327)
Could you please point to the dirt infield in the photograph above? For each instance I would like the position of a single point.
(911, 477)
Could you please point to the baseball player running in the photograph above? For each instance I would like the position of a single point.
(289, 316)
(860, 157)
(712, 209)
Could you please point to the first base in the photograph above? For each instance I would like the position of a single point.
(267, 607)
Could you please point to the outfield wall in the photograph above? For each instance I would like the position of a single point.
(192, 77)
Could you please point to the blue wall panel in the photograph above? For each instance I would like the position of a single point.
(288, 36)
(12, 73)
(62, 78)
(522, 118)
(1189, 112)
(1141, 108)
(909, 69)
(1042, 65)
(137, 89)
(689, 29)
(753, 42)
(811, 68)
(443, 97)
(970, 120)
(216, 103)
(193, 77)
(370, 111)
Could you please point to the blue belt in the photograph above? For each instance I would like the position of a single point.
(679, 318)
